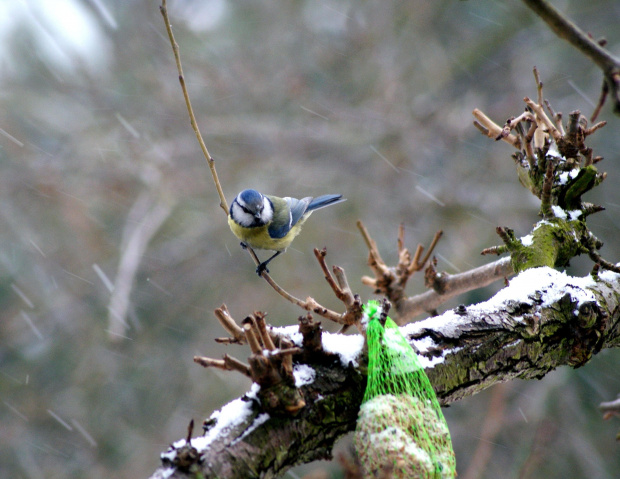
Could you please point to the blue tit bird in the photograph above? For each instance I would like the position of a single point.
(272, 223)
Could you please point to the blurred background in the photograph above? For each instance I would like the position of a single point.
(114, 251)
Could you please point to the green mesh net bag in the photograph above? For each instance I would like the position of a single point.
(400, 432)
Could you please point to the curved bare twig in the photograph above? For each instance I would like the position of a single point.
(564, 28)
(210, 161)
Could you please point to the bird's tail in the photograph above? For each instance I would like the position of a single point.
(323, 201)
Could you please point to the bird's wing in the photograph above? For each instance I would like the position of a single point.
(288, 217)
(298, 208)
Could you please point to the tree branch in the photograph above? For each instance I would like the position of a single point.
(192, 118)
(390, 281)
(340, 287)
(542, 321)
(564, 28)
(449, 285)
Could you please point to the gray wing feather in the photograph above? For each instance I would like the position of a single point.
(298, 208)
(281, 224)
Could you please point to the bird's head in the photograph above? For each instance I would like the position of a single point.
(251, 208)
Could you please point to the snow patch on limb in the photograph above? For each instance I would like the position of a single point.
(572, 215)
(303, 374)
(558, 212)
(550, 284)
(567, 175)
(229, 416)
(348, 347)
(291, 332)
(163, 473)
(608, 276)
(431, 362)
(260, 419)
(545, 284)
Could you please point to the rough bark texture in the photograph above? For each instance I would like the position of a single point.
(519, 339)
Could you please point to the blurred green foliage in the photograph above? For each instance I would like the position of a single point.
(369, 99)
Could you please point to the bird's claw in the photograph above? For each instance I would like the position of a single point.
(261, 268)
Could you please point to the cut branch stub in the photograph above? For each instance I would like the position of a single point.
(311, 333)
(269, 366)
(231, 327)
(278, 394)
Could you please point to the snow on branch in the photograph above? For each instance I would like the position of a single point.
(543, 320)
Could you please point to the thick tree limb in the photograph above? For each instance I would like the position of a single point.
(542, 321)
(446, 286)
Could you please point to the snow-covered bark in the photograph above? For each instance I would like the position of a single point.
(544, 319)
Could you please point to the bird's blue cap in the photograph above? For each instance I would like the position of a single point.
(251, 198)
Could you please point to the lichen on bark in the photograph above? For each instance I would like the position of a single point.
(557, 167)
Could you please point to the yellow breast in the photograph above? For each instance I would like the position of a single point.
(258, 237)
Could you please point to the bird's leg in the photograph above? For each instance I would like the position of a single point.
(243, 245)
(263, 266)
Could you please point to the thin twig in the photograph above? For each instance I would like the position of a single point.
(564, 28)
(235, 365)
(611, 408)
(320, 256)
(608, 265)
(311, 305)
(593, 128)
(435, 240)
(539, 86)
(281, 353)
(570, 32)
(601, 101)
(210, 161)
(375, 261)
(227, 364)
(339, 285)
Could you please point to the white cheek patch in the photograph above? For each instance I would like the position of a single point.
(241, 217)
(267, 214)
